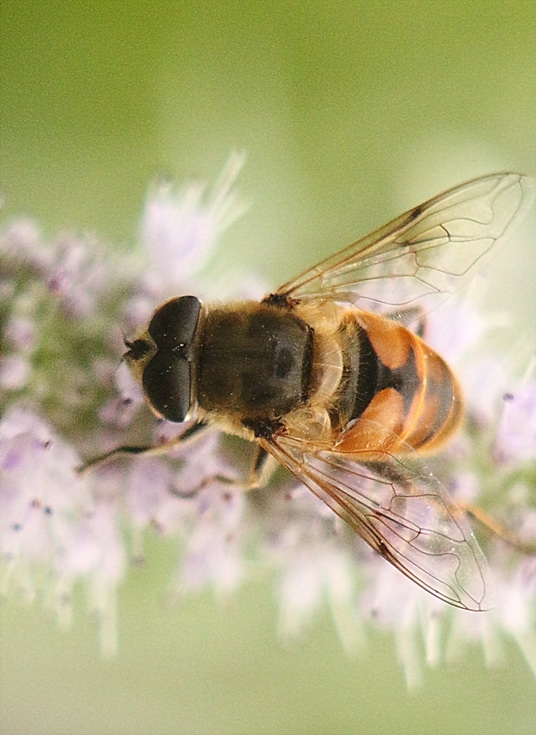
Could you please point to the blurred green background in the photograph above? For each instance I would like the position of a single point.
(349, 113)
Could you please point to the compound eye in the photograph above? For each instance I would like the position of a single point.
(174, 324)
(167, 383)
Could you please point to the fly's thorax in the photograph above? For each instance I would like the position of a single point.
(253, 361)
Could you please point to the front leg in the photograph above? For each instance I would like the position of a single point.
(192, 432)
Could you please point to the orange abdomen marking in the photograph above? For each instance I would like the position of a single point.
(406, 394)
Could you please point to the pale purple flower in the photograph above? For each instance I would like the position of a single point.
(22, 244)
(14, 372)
(516, 437)
(20, 333)
(179, 228)
(65, 396)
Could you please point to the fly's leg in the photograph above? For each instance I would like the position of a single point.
(262, 467)
(412, 317)
(150, 450)
(205, 482)
(498, 529)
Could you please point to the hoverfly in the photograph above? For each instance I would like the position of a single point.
(347, 397)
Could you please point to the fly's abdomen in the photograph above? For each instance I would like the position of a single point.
(402, 394)
(437, 408)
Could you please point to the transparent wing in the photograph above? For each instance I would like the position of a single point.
(425, 253)
(401, 510)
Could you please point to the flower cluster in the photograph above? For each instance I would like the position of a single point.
(63, 399)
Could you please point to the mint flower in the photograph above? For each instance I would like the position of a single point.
(65, 397)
